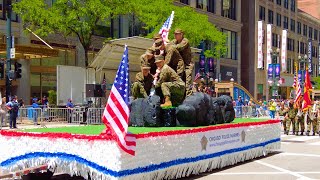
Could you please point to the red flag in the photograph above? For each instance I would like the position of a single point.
(116, 112)
(306, 104)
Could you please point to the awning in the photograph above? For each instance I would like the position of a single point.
(110, 55)
(30, 52)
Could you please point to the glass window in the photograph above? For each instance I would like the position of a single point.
(293, 25)
(293, 5)
(270, 16)
(262, 13)
(315, 34)
(310, 32)
(275, 40)
(2, 15)
(53, 61)
(285, 22)
(211, 6)
(299, 28)
(202, 4)
(305, 29)
(278, 19)
(286, 4)
(36, 62)
(289, 65)
(231, 44)
(279, 2)
(228, 9)
(185, 1)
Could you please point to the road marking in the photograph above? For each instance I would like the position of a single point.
(300, 154)
(281, 169)
(315, 143)
(259, 173)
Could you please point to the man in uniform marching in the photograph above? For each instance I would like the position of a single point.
(143, 83)
(182, 45)
(282, 112)
(299, 121)
(290, 118)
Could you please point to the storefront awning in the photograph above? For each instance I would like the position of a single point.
(110, 55)
(30, 52)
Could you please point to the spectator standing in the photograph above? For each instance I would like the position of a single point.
(239, 105)
(13, 108)
(272, 108)
(35, 107)
(70, 107)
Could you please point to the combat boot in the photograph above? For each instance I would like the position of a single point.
(167, 102)
(301, 134)
(308, 132)
(286, 132)
(297, 133)
(314, 133)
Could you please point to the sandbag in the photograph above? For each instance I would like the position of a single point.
(152, 111)
(186, 115)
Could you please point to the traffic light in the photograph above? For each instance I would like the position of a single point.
(17, 70)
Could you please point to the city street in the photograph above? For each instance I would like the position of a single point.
(298, 159)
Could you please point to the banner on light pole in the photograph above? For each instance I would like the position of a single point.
(310, 56)
(260, 40)
(269, 45)
(284, 51)
(319, 58)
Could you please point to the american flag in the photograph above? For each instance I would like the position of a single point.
(294, 81)
(298, 93)
(164, 31)
(116, 112)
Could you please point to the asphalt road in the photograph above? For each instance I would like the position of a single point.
(298, 158)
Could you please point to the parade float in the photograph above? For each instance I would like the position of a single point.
(207, 139)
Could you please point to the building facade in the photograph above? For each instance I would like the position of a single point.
(282, 15)
(226, 16)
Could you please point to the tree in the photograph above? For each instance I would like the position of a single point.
(196, 26)
(81, 17)
(68, 17)
(316, 80)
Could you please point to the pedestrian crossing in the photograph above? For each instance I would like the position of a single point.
(306, 140)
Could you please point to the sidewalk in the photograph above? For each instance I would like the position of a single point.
(42, 125)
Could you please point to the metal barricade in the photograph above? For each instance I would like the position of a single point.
(29, 115)
(94, 115)
(74, 115)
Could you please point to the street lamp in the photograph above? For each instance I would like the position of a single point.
(302, 70)
(274, 72)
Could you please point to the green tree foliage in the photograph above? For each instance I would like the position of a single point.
(316, 80)
(81, 17)
(68, 17)
(52, 98)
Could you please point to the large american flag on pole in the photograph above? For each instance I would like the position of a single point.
(298, 93)
(164, 31)
(116, 112)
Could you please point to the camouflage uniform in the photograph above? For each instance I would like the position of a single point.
(171, 85)
(185, 51)
(311, 121)
(299, 122)
(174, 60)
(292, 112)
(142, 86)
(283, 112)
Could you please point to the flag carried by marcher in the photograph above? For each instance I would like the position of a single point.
(298, 94)
(306, 104)
(116, 112)
(294, 81)
(164, 31)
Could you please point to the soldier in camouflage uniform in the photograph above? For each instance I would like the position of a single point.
(299, 121)
(172, 86)
(182, 45)
(290, 119)
(143, 83)
(172, 57)
(149, 58)
(283, 112)
(311, 121)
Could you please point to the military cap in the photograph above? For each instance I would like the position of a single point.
(178, 31)
(149, 51)
(157, 36)
(159, 58)
(158, 42)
